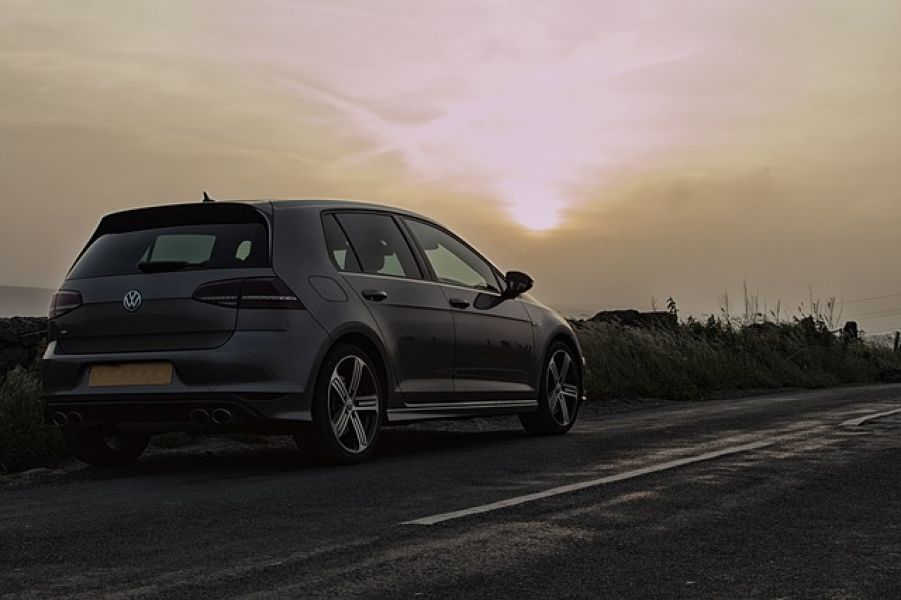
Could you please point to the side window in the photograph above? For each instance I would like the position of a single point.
(243, 250)
(453, 262)
(379, 245)
(339, 249)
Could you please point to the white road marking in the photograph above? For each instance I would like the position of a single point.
(861, 420)
(574, 487)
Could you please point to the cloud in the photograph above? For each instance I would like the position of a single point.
(671, 148)
(521, 126)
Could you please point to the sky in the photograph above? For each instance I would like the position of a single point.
(618, 151)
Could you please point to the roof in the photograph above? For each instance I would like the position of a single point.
(260, 204)
(329, 204)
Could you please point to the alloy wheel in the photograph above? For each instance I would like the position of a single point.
(562, 387)
(353, 404)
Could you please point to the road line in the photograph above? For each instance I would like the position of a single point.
(574, 487)
(861, 420)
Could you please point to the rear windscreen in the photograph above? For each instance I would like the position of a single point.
(197, 246)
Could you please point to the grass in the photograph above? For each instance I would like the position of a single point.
(25, 440)
(690, 361)
(698, 360)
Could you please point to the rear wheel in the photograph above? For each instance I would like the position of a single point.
(347, 408)
(559, 394)
(96, 447)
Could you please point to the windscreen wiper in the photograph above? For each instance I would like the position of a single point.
(159, 266)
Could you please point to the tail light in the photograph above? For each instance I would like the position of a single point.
(64, 301)
(257, 292)
(220, 293)
(267, 293)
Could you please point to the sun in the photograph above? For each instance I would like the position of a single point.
(536, 218)
(533, 204)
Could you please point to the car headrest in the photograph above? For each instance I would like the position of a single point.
(373, 254)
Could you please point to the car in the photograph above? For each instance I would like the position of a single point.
(325, 320)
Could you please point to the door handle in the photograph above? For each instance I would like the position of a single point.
(458, 303)
(374, 295)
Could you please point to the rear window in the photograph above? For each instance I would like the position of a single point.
(196, 246)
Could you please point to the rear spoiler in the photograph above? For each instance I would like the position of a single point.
(179, 214)
(170, 215)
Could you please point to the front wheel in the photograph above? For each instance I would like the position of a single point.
(560, 391)
(95, 447)
(347, 408)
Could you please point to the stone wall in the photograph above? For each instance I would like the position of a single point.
(21, 338)
(634, 318)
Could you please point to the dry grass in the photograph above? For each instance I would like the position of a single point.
(694, 360)
(25, 440)
(698, 360)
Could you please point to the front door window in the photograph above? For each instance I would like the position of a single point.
(451, 260)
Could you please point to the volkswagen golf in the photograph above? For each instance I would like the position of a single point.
(325, 320)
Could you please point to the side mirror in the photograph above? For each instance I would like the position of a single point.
(518, 283)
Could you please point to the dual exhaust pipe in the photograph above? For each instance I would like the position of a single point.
(217, 416)
(199, 416)
(73, 417)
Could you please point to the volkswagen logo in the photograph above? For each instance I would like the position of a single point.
(132, 300)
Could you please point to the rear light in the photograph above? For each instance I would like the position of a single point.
(262, 292)
(220, 293)
(64, 301)
(267, 293)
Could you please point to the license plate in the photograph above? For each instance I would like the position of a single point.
(147, 373)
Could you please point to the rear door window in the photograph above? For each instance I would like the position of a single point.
(338, 246)
(379, 244)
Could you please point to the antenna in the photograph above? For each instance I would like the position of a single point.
(206, 197)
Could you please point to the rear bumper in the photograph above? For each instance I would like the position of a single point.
(159, 413)
(258, 375)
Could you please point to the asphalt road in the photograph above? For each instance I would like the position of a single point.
(764, 497)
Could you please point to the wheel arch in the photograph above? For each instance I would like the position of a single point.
(369, 341)
(567, 338)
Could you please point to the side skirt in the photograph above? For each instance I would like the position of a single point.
(459, 410)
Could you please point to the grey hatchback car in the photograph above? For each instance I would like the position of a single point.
(325, 320)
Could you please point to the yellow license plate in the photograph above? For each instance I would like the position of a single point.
(145, 373)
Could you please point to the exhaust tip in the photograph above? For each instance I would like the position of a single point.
(60, 418)
(75, 418)
(221, 416)
(199, 416)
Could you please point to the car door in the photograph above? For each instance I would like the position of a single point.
(494, 338)
(412, 313)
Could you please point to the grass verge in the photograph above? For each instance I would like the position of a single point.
(25, 440)
(690, 361)
(695, 360)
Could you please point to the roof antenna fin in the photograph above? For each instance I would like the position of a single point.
(206, 197)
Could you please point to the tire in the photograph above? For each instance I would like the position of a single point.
(558, 402)
(91, 446)
(347, 408)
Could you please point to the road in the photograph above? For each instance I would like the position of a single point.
(781, 496)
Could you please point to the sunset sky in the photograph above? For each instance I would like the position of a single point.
(615, 150)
